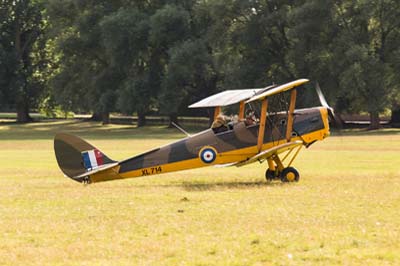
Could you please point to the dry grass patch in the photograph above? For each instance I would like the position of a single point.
(344, 210)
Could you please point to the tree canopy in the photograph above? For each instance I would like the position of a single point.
(158, 56)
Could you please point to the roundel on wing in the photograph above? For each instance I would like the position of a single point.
(208, 154)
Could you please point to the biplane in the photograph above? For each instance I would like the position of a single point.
(276, 137)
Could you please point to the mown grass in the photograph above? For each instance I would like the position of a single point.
(344, 210)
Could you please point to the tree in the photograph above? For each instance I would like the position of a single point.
(312, 31)
(367, 41)
(86, 79)
(255, 44)
(190, 75)
(125, 35)
(141, 56)
(179, 35)
(23, 54)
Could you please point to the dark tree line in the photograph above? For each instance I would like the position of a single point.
(158, 56)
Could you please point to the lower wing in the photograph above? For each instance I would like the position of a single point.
(268, 153)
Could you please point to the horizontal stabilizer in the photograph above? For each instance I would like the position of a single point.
(82, 177)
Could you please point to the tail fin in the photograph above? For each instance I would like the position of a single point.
(76, 157)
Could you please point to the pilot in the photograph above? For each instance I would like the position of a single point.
(250, 118)
(220, 124)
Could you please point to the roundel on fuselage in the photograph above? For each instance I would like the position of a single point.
(208, 154)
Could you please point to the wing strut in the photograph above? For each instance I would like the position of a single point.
(217, 111)
(263, 121)
(180, 129)
(241, 110)
(292, 105)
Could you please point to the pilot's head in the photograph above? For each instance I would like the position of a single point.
(250, 114)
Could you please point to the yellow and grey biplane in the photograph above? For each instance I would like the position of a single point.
(276, 137)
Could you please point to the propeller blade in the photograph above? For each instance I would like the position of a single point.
(325, 104)
(321, 97)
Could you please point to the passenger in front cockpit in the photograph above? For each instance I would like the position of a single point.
(220, 124)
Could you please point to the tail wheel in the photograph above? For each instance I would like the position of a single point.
(290, 174)
(271, 175)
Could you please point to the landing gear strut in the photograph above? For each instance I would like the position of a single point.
(277, 171)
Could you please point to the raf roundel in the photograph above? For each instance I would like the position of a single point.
(208, 155)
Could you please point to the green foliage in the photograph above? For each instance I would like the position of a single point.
(169, 24)
(134, 95)
(161, 55)
(364, 51)
(86, 79)
(23, 55)
(190, 76)
(125, 35)
(125, 38)
(49, 110)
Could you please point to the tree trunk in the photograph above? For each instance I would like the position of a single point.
(337, 121)
(22, 104)
(395, 118)
(105, 118)
(173, 118)
(23, 113)
(96, 117)
(374, 119)
(141, 119)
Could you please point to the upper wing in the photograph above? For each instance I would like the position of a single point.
(268, 153)
(227, 98)
(278, 89)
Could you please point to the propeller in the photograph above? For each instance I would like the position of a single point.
(325, 104)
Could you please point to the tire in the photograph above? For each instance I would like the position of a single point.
(290, 174)
(270, 175)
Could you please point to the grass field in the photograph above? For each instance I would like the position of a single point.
(344, 211)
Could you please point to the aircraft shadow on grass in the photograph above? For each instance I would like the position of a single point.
(227, 185)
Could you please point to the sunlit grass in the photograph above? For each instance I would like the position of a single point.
(344, 210)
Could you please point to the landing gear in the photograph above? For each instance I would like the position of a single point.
(288, 174)
(276, 171)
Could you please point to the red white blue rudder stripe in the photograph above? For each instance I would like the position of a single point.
(92, 159)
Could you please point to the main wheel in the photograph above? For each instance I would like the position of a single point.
(271, 175)
(290, 174)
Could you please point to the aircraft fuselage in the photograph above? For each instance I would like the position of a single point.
(207, 148)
